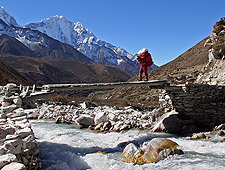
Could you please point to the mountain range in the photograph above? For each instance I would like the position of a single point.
(43, 34)
(53, 61)
(51, 69)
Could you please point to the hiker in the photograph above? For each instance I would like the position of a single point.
(144, 58)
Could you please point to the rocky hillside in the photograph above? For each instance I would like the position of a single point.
(213, 72)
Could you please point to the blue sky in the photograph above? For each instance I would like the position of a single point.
(166, 27)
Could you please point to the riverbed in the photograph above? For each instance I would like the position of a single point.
(65, 147)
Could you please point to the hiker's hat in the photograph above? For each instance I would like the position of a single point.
(142, 51)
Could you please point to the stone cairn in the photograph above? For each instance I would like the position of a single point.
(18, 147)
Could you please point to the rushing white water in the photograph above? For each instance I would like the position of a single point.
(64, 147)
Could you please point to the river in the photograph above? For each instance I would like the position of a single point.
(65, 147)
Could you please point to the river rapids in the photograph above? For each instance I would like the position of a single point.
(65, 147)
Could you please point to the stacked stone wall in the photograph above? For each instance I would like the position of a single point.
(18, 146)
(205, 104)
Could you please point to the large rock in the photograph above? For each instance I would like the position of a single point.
(14, 166)
(101, 117)
(25, 132)
(6, 159)
(149, 153)
(132, 154)
(155, 146)
(170, 123)
(85, 121)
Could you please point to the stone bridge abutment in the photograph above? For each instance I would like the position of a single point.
(202, 103)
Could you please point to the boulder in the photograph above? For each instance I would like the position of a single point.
(165, 153)
(132, 154)
(13, 142)
(149, 153)
(124, 127)
(18, 113)
(112, 117)
(155, 146)
(14, 166)
(25, 132)
(117, 126)
(100, 117)
(84, 121)
(170, 123)
(6, 159)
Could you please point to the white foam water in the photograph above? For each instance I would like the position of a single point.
(64, 147)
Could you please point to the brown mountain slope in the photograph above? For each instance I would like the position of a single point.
(54, 71)
(54, 63)
(9, 75)
(10, 45)
(190, 61)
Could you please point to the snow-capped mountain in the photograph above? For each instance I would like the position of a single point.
(50, 32)
(7, 18)
(58, 27)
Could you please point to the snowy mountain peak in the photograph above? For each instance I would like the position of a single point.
(7, 18)
(75, 34)
(57, 27)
